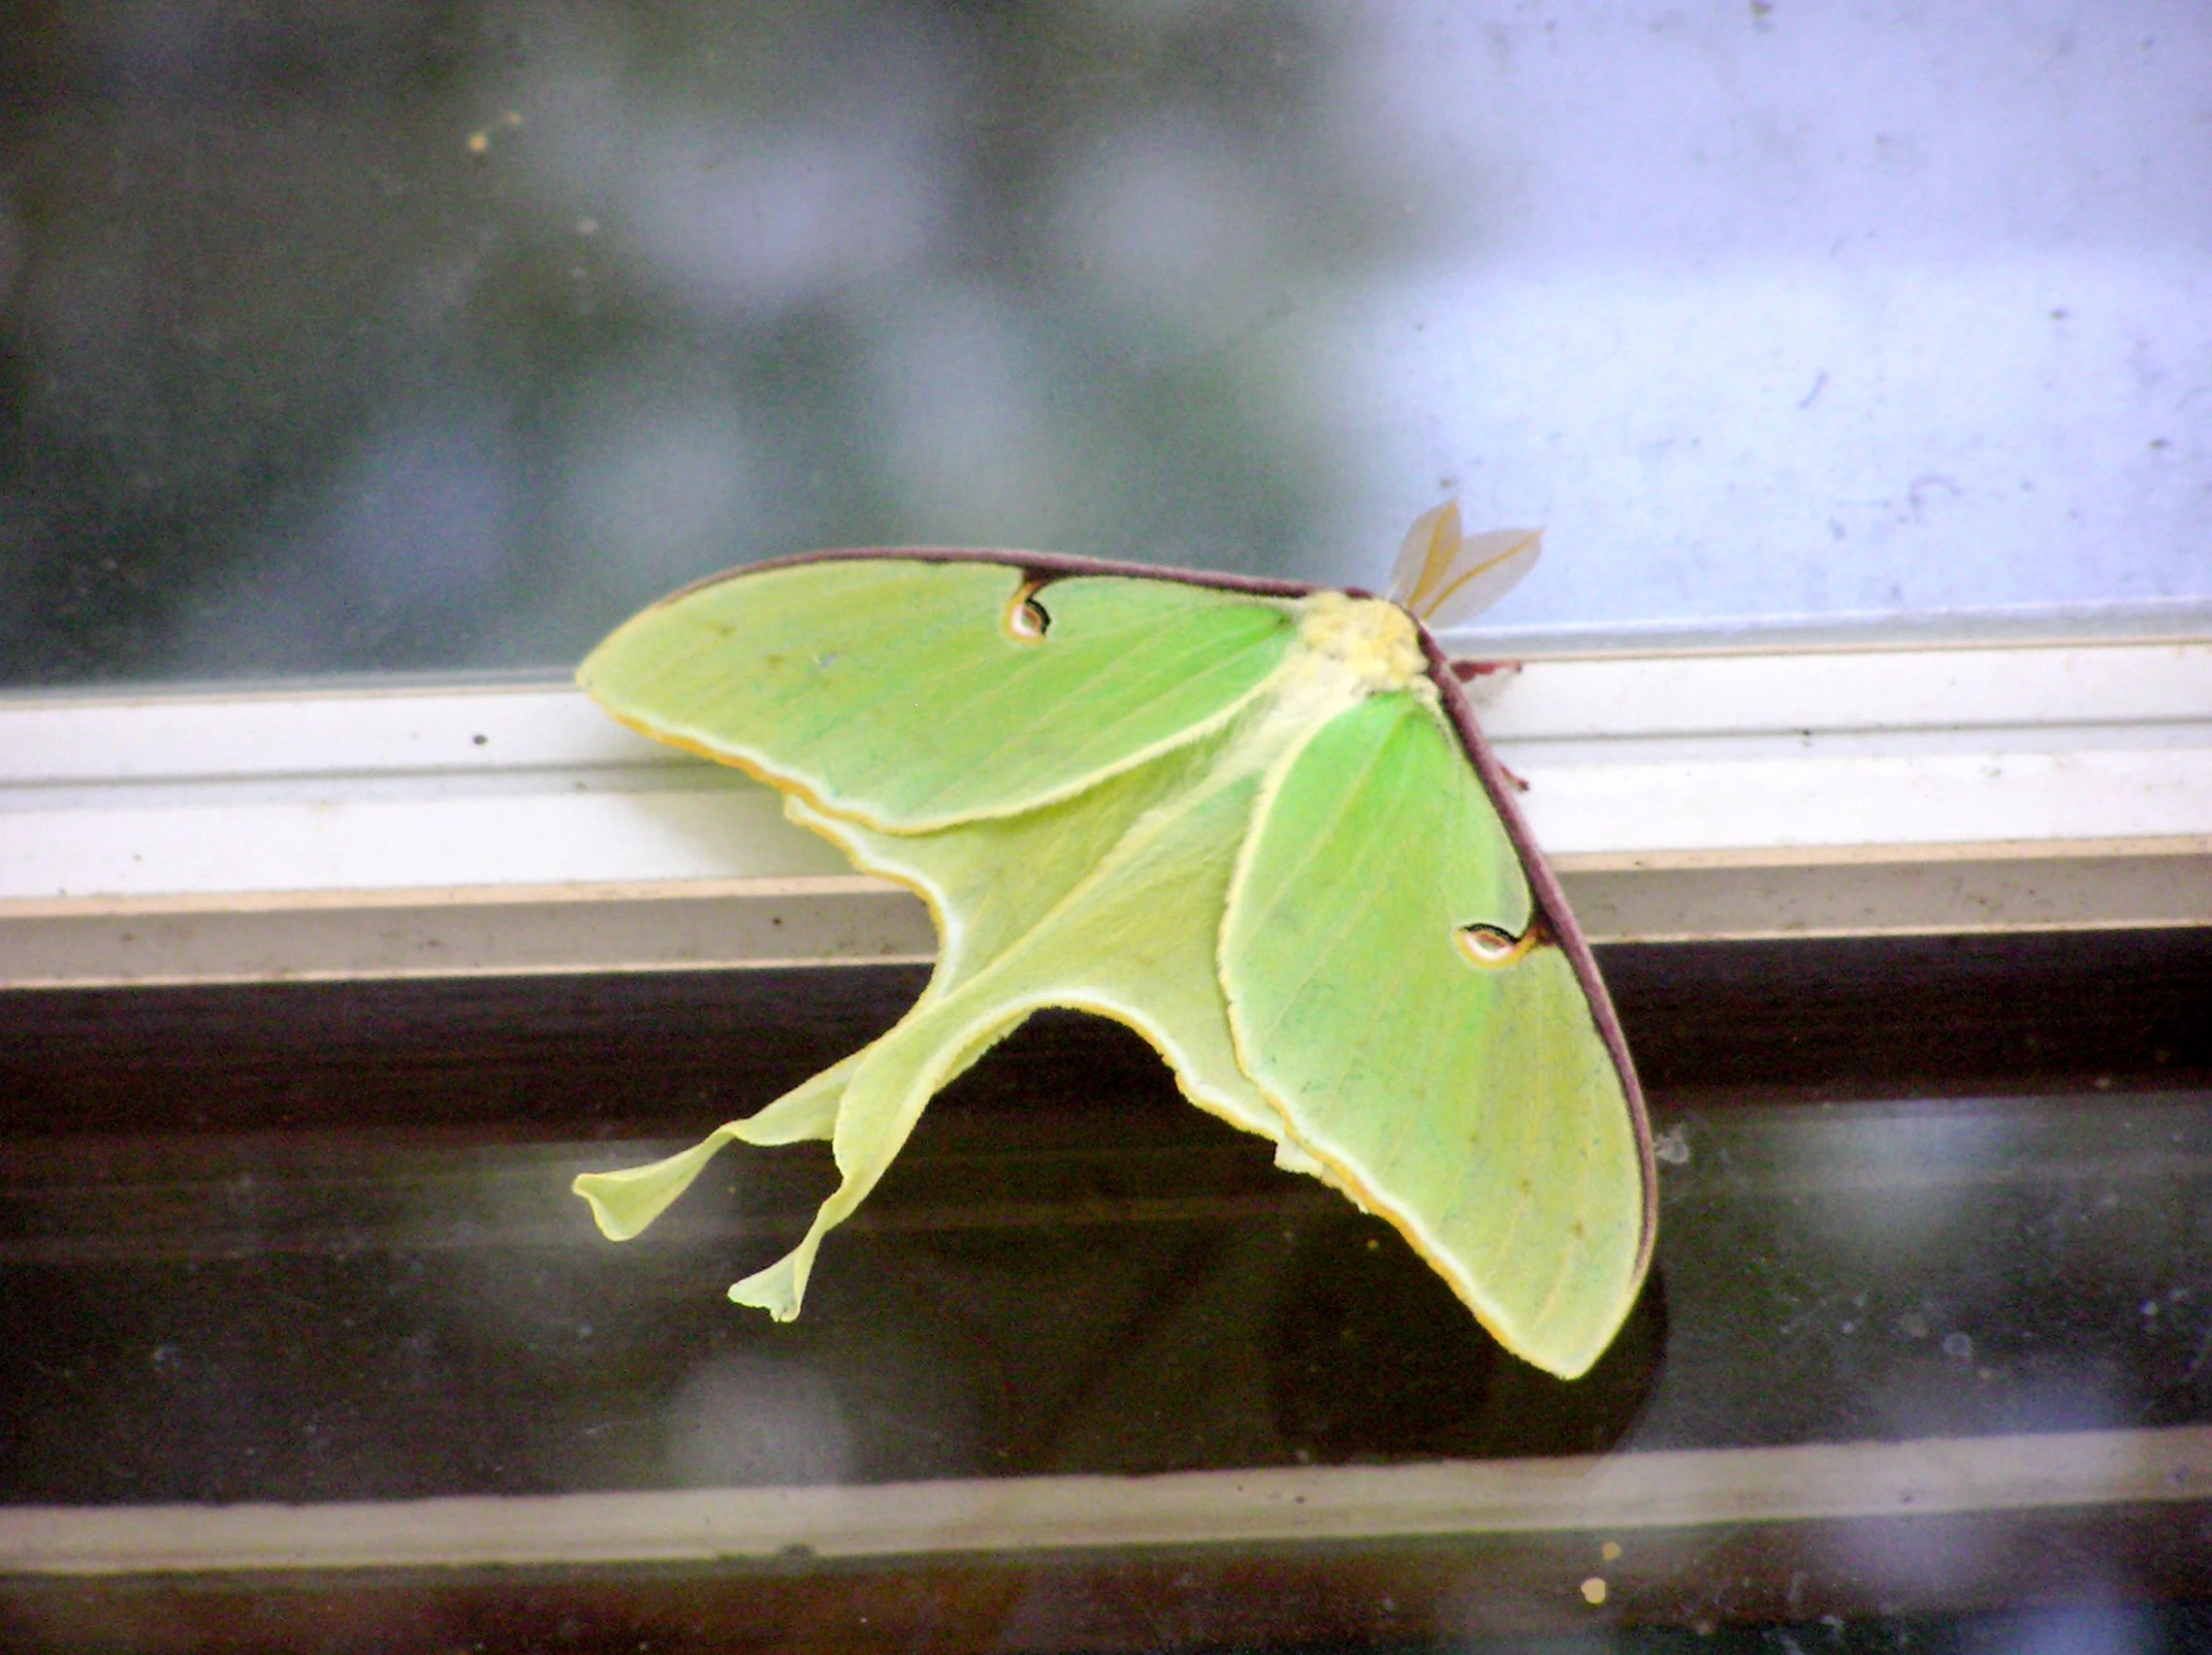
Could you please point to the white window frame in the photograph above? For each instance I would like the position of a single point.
(355, 830)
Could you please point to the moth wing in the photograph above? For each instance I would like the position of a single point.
(1471, 1101)
(909, 693)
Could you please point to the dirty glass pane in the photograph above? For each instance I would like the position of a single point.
(303, 1341)
(382, 336)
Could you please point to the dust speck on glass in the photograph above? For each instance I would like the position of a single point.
(370, 336)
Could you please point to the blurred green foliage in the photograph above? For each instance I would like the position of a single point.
(361, 335)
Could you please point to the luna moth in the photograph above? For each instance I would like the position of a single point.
(1252, 820)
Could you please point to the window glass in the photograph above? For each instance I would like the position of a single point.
(1922, 1361)
(385, 336)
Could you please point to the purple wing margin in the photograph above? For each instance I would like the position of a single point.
(1558, 919)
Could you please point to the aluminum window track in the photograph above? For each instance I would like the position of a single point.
(1617, 1493)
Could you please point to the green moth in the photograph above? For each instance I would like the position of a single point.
(1251, 819)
